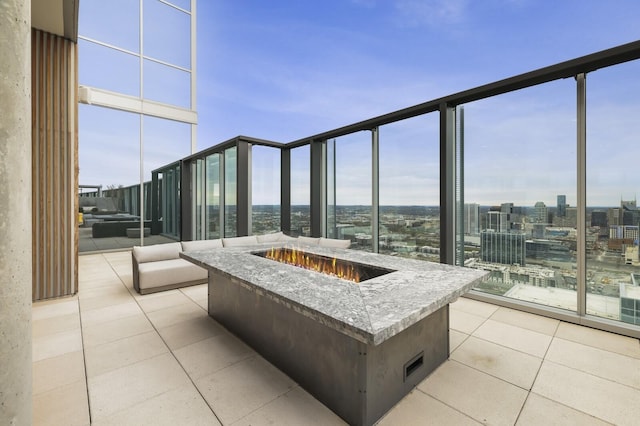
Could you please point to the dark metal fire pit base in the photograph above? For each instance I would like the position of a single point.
(360, 382)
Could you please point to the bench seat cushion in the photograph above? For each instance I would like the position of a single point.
(169, 272)
(201, 245)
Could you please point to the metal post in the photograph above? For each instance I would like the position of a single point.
(375, 189)
(447, 185)
(581, 109)
(285, 190)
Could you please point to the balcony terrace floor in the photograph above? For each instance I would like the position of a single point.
(109, 356)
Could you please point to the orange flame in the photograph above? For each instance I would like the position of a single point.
(296, 257)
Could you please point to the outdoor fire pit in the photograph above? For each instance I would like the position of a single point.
(358, 347)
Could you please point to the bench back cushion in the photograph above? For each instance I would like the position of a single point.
(310, 241)
(270, 238)
(240, 241)
(157, 252)
(334, 243)
(201, 245)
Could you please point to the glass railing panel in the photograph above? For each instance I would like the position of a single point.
(613, 217)
(212, 190)
(300, 192)
(519, 163)
(353, 190)
(409, 188)
(230, 192)
(265, 190)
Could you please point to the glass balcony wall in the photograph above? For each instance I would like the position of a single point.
(212, 193)
(265, 189)
(409, 216)
(612, 183)
(300, 192)
(349, 189)
(519, 158)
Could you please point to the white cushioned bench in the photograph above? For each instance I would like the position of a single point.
(159, 267)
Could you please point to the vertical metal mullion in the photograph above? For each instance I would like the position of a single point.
(285, 190)
(221, 194)
(375, 189)
(581, 109)
(447, 185)
(318, 166)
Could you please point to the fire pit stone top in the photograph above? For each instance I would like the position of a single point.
(371, 311)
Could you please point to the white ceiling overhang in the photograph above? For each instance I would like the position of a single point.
(58, 17)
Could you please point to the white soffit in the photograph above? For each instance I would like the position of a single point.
(107, 99)
(58, 17)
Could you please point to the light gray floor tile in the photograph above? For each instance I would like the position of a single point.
(190, 331)
(62, 370)
(480, 396)
(173, 315)
(242, 388)
(418, 408)
(515, 367)
(464, 322)
(584, 392)
(66, 405)
(294, 408)
(52, 345)
(162, 300)
(54, 308)
(110, 313)
(455, 339)
(123, 352)
(179, 406)
(127, 387)
(526, 320)
(513, 337)
(474, 307)
(599, 339)
(213, 354)
(105, 332)
(608, 365)
(47, 326)
(542, 411)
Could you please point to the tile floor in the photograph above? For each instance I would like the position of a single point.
(112, 357)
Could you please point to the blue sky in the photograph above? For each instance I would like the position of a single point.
(283, 70)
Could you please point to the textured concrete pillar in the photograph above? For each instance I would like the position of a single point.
(15, 212)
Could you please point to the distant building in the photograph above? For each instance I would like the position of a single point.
(562, 206)
(471, 219)
(630, 303)
(507, 248)
(497, 221)
(541, 213)
(599, 218)
(539, 249)
(613, 216)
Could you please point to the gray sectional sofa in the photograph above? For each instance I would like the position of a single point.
(159, 267)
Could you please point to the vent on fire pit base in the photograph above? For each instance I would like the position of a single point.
(351, 271)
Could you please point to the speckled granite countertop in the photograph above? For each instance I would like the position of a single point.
(371, 311)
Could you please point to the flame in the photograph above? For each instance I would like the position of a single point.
(328, 266)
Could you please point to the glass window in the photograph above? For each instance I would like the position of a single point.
(265, 189)
(109, 69)
(300, 191)
(167, 34)
(519, 160)
(99, 20)
(612, 216)
(170, 201)
(212, 221)
(409, 212)
(166, 84)
(165, 141)
(352, 190)
(230, 192)
(109, 147)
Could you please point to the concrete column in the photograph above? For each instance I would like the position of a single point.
(15, 213)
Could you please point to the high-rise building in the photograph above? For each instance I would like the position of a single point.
(562, 206)
(507, 248)
(541, 213)
(497, 221)
(471, 219)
